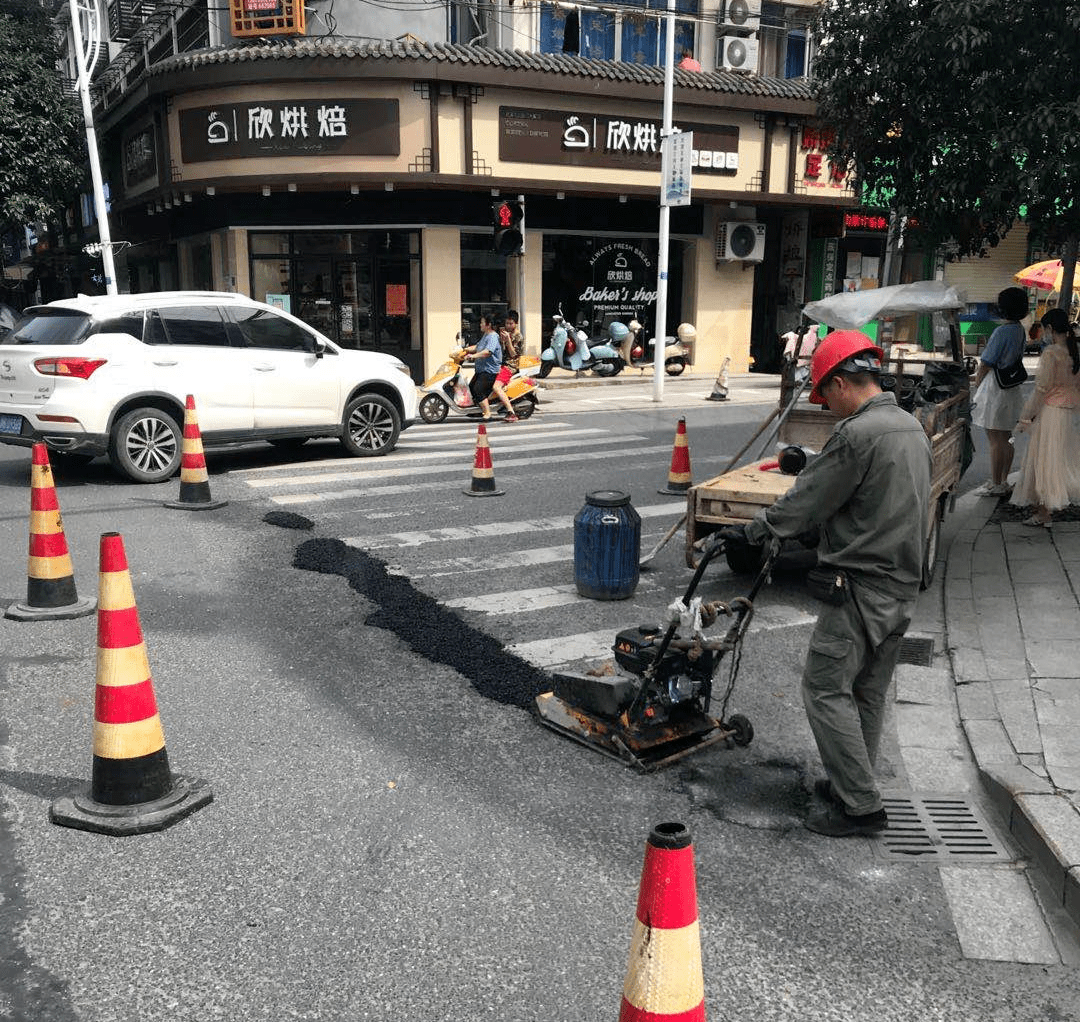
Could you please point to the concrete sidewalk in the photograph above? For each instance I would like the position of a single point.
(743, 388)
(1012, 622)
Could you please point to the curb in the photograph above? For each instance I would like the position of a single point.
(1044, 822)
(630, 377)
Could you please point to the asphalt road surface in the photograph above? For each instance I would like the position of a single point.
(346, 652)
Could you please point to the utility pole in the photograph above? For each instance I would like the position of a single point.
(660, 330)
(85, 65)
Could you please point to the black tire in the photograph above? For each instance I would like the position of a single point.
(608, 367)
(145, 445)
(675, 368)
(524, 407)
(433, 408)
(744, 730)
(288, 443)
(744, 560)
(370, 426)
(545, 369)
(930, 551)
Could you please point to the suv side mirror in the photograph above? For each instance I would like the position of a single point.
(320, 348)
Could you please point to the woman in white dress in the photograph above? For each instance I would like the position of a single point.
(996, 408)
(1050, 476)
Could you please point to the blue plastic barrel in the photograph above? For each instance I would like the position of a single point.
(607, 546)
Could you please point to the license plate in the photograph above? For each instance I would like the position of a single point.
(10, 423)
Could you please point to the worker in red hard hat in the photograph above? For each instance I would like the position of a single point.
(868, 493)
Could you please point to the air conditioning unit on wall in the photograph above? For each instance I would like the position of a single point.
(739, 16)
(737, 53)
(740, 241)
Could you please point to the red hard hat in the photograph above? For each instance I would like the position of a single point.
(834, 349)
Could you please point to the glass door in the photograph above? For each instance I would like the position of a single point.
(352, 302)
(313, 298)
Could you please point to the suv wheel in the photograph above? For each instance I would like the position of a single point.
(145, 445)
(370, 427)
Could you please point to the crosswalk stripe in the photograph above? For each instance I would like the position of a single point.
(532, 461)
(514, 560)
(466, 532)
(368, 471)
(553, 652)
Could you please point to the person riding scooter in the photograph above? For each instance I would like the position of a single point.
(444, 392)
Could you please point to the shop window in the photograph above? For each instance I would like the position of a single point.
(795, 64)
(627, 36)
(268, 243)
(483, 284)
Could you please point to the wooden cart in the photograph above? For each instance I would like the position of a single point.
(738, 495)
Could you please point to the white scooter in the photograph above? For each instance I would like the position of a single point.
(632, 351)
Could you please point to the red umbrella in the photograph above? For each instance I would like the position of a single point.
(1046, 276)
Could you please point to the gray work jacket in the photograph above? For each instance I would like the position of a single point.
(869, 491)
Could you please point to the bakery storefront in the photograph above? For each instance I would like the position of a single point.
(357, 193)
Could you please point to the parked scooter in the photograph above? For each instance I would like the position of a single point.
(445, 391)
(632, 350)
(570, 349)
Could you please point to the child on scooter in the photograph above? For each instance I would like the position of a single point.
(508, 337)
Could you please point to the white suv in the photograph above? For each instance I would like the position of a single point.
(110, 375)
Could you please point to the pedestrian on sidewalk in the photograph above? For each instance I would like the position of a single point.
(869, 493)
(994, 407)
(1050, 476)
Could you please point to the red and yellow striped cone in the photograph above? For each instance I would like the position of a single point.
(482, 483)
(50, 580)
(664, 979)
(194, 479)
(132, 790)
(678, 479)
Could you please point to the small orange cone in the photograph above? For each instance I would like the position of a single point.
(678, 479)
(664, 979)
(132, 790)
(194, 479)
(50, 580)
(482, 483)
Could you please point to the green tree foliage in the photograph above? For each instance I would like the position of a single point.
(42, 147)
(963, 112)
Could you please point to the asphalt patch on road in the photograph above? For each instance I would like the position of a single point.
(427, 627)
(288, 520)
(763, 795)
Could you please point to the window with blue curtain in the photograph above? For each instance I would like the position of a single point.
(795, 60)
(641, 37)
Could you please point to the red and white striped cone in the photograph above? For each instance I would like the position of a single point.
(50, 579)
(720, 387)
(679, 473)
(664, 978)
(482, 483)
(132, 790)
(194, 479)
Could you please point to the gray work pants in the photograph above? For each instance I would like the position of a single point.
(845, 683)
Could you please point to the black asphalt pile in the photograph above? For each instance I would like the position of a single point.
(428, 628)
(288, 520)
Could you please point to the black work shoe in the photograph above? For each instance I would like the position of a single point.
(835, 821)
(824, 790)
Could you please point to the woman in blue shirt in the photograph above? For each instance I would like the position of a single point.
(995, 408)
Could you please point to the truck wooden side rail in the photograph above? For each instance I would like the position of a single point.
(736, 496)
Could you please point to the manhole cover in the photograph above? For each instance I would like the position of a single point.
(937, 828)
(919, 652)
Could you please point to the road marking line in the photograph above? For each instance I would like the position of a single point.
(364, 472)
(386, 491)
(523, 601)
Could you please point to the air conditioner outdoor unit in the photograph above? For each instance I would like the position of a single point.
(739, 17)
(737, 53)
(740, 241)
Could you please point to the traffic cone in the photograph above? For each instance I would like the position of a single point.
(678, 479)
(664, 979)
(50, 581)
(132, 790)
(483, 475)
(720, 387)
(194, 479)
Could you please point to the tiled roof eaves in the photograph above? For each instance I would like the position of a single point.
(716, 83)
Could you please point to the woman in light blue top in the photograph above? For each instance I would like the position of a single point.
(996, 408)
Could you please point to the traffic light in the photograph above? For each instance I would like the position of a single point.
(508, 226)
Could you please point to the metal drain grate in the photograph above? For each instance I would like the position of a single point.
(937, 828)
(919, 652)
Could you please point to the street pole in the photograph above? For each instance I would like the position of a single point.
(83, 86)
(521, 274)
(660, 329)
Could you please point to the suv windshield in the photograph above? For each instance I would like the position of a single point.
(51, 326)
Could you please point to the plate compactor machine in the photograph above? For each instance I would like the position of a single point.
(655, 711)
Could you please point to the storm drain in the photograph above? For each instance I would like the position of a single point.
(919, 652)
(937, 828)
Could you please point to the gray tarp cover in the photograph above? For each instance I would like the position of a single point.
(852, 309)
